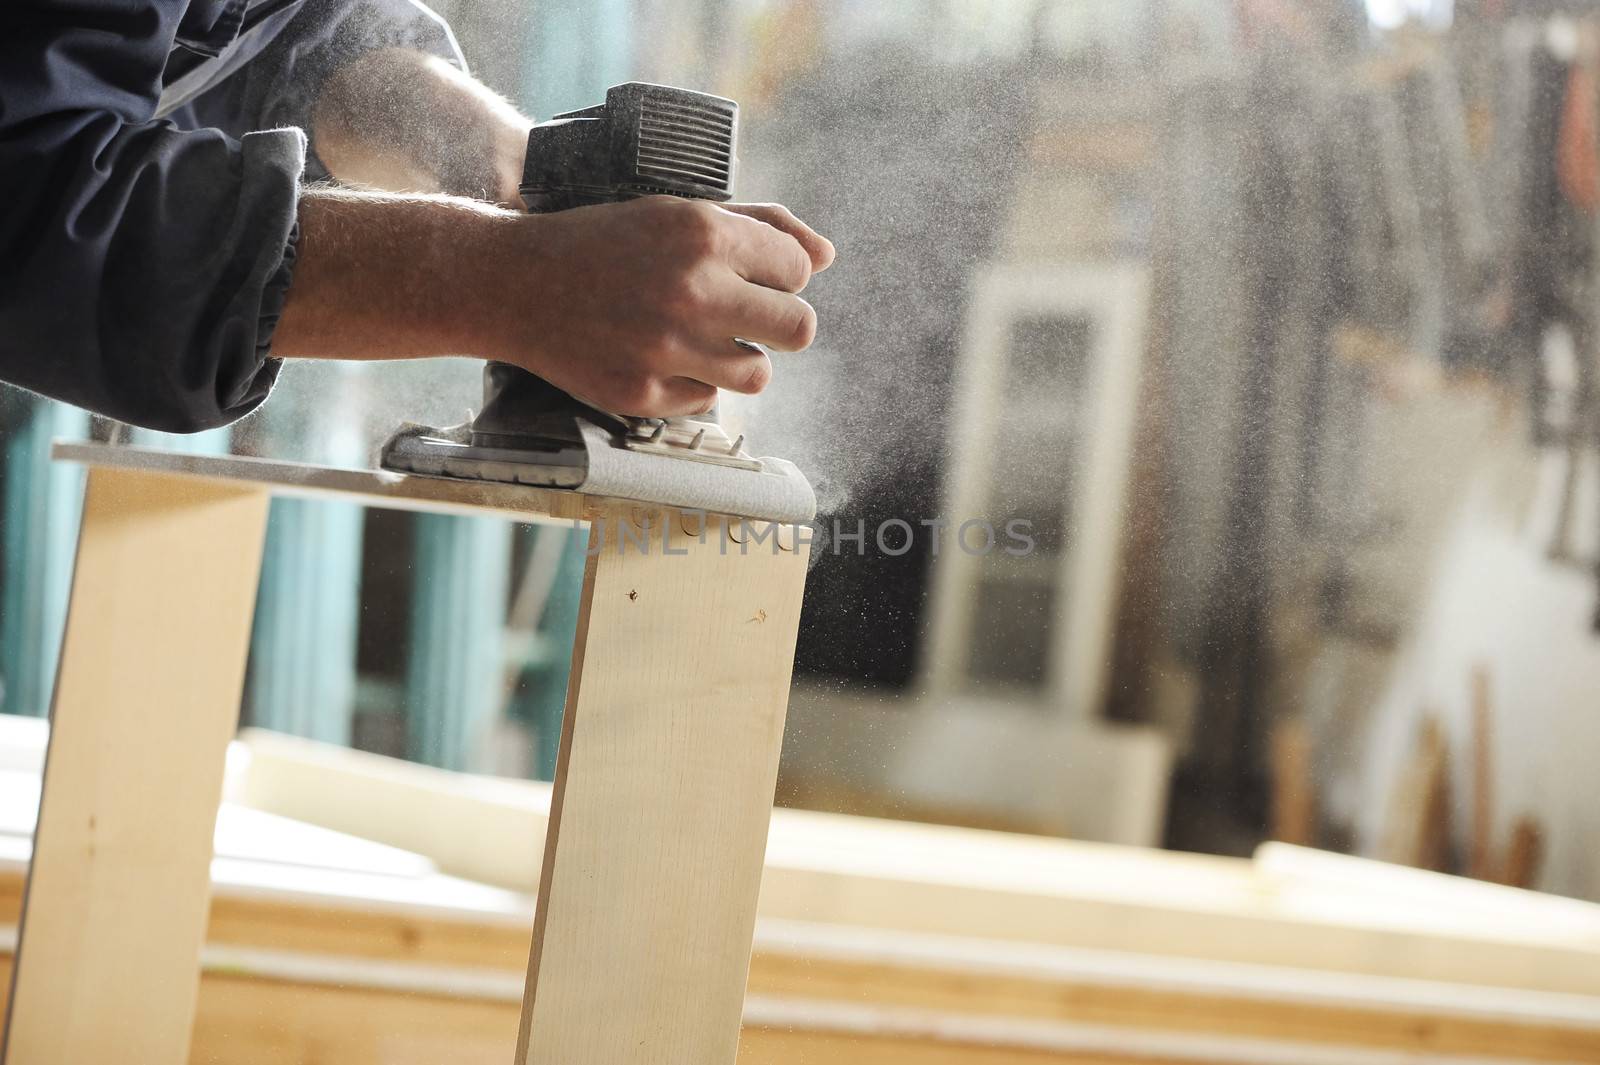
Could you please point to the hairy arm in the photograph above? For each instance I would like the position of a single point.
(632, 307)
(409, 122)
(393, 276)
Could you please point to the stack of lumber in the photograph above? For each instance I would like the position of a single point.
(369, 911)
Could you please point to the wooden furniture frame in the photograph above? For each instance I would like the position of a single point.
(663, 792)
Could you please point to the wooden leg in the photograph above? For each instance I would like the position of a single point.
(663, 793)
(146, 701)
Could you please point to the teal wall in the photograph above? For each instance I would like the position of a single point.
(575, 50)
(38, 537)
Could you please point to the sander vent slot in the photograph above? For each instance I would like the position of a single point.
(686, 141)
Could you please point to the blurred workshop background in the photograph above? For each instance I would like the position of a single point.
(1272, 325)
(1276, 320)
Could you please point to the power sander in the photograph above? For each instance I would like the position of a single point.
(645, 140)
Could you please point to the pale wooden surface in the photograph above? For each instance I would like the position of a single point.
(332, 986)
(379, 488)
(663, 793)
(316, 964)
(481, 828)
(1353, 916)
(668, 760)
(147, 699)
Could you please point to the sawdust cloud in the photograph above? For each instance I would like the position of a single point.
(906, 142)
(869, 150)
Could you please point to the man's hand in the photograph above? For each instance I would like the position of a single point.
(631, 307)
(634, 307)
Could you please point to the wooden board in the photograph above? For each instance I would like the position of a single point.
(303, 964)
(664, 789)
(663, 793)
(380, 488)
(863, 873)
(270, 1006)
(147, 699)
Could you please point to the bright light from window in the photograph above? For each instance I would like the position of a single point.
(1388, 14)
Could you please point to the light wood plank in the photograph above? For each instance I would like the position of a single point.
(146, 702)
(860, 872)
(380, 488)
(250, 1019)
(354, 985)
(663, 794)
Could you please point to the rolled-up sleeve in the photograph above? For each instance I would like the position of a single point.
(281, 85)
(142, 267)
(327, 35)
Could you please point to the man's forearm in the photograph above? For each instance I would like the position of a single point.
(385, 276)
(632, 307)
(401, 120)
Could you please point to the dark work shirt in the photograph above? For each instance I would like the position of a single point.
(151, 155)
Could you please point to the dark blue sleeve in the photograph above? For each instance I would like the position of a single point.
(142, 267)
(280, 86)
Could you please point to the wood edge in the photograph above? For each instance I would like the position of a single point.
(552, 832)
(369, 487)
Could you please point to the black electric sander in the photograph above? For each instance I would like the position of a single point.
(645, 140)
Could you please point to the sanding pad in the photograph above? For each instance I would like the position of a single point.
(770, 489)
